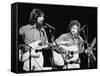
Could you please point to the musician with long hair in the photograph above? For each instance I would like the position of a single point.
(32, 34)
(71, 45)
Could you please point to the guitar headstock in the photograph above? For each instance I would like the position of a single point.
(93, 42)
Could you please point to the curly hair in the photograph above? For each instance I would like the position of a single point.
(35, 13)
(74, 22)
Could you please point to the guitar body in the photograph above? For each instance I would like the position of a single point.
(34, 46)
(67, 50)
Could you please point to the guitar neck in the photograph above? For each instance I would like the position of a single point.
(77, 52)
(92, 45)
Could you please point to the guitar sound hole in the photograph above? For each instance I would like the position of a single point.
(42, 43)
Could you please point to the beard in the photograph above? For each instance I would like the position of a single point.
(39, 26)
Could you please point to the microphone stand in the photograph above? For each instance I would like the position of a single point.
(52, 40)
(30, 59)
(86, 41)
(65, 63)
(87, 44)
(52, 34)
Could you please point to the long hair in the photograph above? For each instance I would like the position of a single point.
(74, 22)
(35, 13)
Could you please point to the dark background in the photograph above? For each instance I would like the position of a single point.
(60, 17)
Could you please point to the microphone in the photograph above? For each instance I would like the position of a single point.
(83, 28)
(48, 26)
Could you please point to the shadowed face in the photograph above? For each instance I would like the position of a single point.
(74, 29)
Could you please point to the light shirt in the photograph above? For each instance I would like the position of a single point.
(31, 33)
